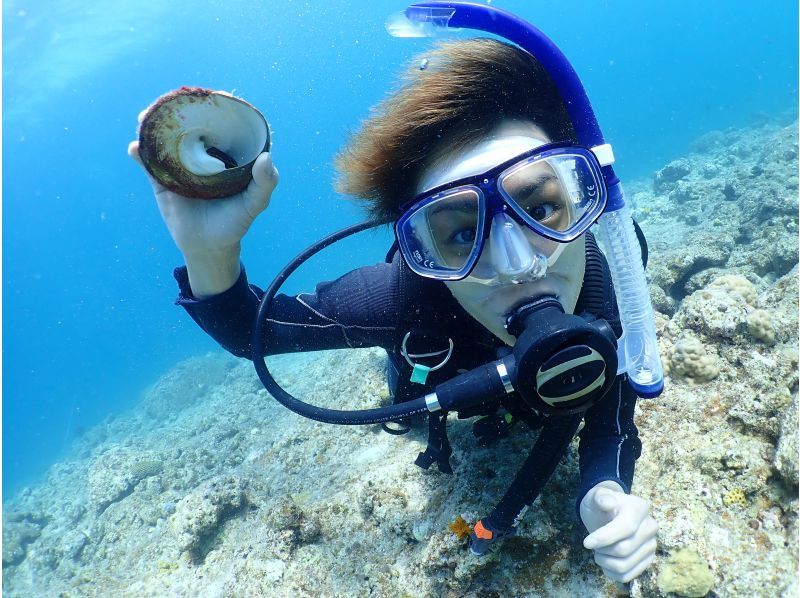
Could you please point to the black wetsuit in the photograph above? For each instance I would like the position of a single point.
(376, 306)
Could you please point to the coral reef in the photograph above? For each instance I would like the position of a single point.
(735, 497)
(115, 473)
(209, 487)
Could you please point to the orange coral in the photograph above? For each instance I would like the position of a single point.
(460, 528)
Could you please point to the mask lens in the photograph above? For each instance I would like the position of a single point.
(552, 193)
(441, 236)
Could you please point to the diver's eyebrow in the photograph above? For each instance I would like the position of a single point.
(534, 181)
(464, 205)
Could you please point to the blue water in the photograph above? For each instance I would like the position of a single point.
(87, 287)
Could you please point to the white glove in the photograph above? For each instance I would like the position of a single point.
(622, 531)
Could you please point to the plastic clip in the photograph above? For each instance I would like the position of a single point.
(419, 373)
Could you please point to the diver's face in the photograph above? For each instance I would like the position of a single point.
(497, 286)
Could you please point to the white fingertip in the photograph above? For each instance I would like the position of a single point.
(639, 569)
(133, 151)
(141, 115)
(650, 527)
(264, 172)
(605, 499)
(259, 191)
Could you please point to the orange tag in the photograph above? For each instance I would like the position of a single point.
(482, 532)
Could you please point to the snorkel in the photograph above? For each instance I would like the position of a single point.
(637, 349)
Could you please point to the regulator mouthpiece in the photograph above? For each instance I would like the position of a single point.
(563, 364)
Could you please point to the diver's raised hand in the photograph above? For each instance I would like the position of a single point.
(622, 531)
(209, 232)
(209, 225)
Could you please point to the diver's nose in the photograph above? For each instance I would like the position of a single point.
(513, 256)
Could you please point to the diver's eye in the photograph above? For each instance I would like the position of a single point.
(542, 211)
(466, 235)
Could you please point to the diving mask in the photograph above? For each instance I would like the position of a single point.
(527, 207)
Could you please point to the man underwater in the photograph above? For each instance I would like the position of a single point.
(475, 161)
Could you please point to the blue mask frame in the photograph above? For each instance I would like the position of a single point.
(493, 199)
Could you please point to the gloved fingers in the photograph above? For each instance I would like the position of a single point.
(647, 531)
(259, 191)
(631, 512)
(614, 531)
(621, 565)
(633, 573)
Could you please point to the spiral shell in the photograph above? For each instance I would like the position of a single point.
(201, 143)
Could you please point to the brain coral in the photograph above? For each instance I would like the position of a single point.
(733, 283)
(689, 360)
(759, 325)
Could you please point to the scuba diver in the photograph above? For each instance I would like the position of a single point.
(495, 287)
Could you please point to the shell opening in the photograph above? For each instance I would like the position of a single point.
(231, 127)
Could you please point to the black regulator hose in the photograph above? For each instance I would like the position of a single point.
(320, 414)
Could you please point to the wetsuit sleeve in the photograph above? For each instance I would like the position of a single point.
(609, 440)
(553, 441)
(356, 310)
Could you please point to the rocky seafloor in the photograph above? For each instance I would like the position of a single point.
(209, 487)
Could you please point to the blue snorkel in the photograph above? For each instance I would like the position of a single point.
(637, 350)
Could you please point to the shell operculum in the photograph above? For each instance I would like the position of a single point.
(201, 143)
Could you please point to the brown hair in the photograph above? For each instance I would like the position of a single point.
(461, 89)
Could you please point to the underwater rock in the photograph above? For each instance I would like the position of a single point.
(19, 530)
(665, 179)
(736, 284)
(674, 268)
(771, 248)
(786, 456)
(780, 301)
(74, 543)
(286, 515)
(713, 313)
(187, 383)
(114, 474)
(199, 514)
(685, 573)
(761, 409)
